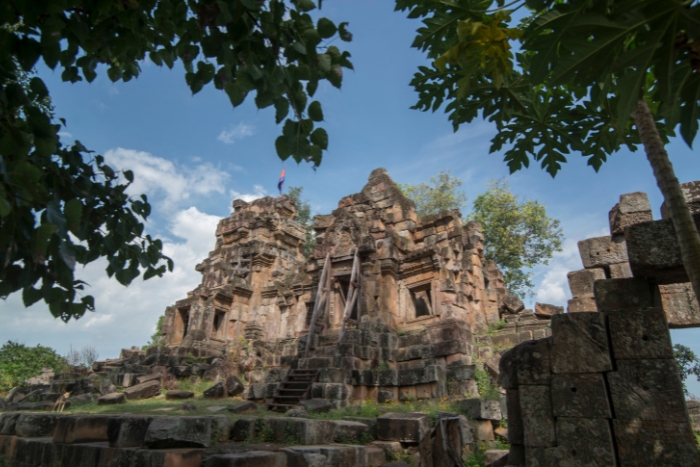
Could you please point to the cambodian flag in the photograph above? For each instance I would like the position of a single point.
(281, 182)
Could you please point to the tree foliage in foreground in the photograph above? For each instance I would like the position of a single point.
(591, 77)
(60, 206)
(688, 364)
(518, 234)
(19, 362)
(439, 194)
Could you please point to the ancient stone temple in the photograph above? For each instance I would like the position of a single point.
(391, 301)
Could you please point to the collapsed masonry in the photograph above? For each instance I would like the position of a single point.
(394, 300)
(604, 389)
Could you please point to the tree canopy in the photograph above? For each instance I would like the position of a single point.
(61, 206)
(303, 217)
(518, 234)
(19, 362)
(439, 194)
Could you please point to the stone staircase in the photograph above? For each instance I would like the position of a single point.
(295, 388)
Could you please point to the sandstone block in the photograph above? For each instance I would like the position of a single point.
(8, 422)
(427, 374)
(143, 391)
(482, 430)
(335, 455)
(581, 305)
(602, 251)
(580, 343)
(515, 419)
(496, 457)
(526, 363)
(680, 305)
(654, 251)
(546, 311)
(35, 425)
(580, 395)
(178, 432)
(218, 391)
(81, 429)
(296, 430)
(461, 372)
(375, 456)
(243, 429)
(647, 390)
(371, 424)
(345, 431)
(512, 305)
(538, 418)
(622, 294)
(407, 427)
(247, 459)
(128, 431)
(177, 395)
(620, 271)
(244, 407)
(633, 208)
(647, 443)
(691, 193)
(581, 282)
(234, 386)
(480, 409)
(587, 441)
(316, 405)
(639, 334)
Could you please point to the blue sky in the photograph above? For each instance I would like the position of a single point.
(194, 154)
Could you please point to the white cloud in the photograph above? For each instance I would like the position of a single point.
(258, 192)
(65, 134)
(236, 132)
(162, 179)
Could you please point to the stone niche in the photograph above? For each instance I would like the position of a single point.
(424, 289)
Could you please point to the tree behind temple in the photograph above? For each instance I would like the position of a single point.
(518, 234)
(303, 217)
(439, 194)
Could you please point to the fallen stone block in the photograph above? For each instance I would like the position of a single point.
(647, 390)
(546, 311)
(143, 391)
(316, 405)
(408, 427)
(244, 407)
(496, 457)
(580, 395)
(247, 459)
(480, 409)
(177, 395)
(127, 431)
(482, 430)
(334, 455)
(580, 343)
(149, 377)
(178, 432)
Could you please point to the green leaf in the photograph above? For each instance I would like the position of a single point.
(282, 148)
(236, 93)
(305, 5)
(30, 296)
(326, 28)
(324, 62)
(55, 216)
(72, 211)
(28, 52)
(281, 109)
(320, 138)
(315, 112)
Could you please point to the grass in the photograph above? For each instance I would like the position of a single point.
(493, 327)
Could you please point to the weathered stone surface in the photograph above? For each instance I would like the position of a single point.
(480, 409)
(8, 422)
(620, 271)
(516, 434)
(512, 305)
(580, 395)
(370, 422)
(546, 311)
(188, 407)
(177, 395)
(335, 455)
(178, 432)
(296, 430)
(526, 363)
(244, 407)
(106, 387)
(81, 429)
(680, 305)
(496, 457)
(581, 282)
(217, 391)
(639, 334)
(633, 208)
(316, 405)
(35, 425)
(408, 427)
(538, 418)
(588, 441)
(581, 305)
(447, 442)
(654, 251)
(482, 430)
(691, 193)
(580, 343)
(345, 431)
(143, 391)
(647, 390)
(622, 294)
(234, 386)
(247, 459)
(602, 251)
(149, 377)
(127, 431)
(651, 443)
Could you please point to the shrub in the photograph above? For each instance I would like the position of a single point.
(19, 362)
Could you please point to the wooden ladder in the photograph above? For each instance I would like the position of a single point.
(295, 388)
